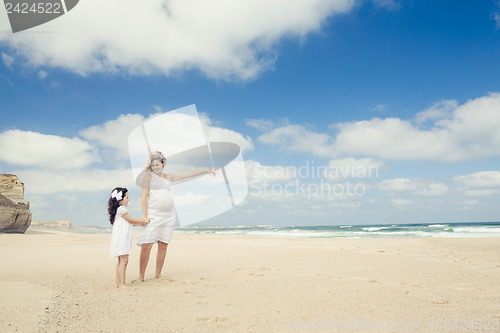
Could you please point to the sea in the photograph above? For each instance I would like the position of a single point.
(475, 229)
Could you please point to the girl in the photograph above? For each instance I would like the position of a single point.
(121, 237)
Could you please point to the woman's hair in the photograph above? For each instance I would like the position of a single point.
(154, 156)
(115, 197)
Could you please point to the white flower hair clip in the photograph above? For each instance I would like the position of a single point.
(117, 195)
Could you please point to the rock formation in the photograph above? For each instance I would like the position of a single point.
(15, 215)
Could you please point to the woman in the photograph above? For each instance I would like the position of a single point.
(157, 204)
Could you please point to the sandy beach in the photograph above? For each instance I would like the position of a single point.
(64, 282)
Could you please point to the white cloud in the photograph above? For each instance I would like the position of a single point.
(214, 134)
(479, 192)
(7, 59)
(350, 167)
(398, 185)
(475, 125)
(482, 179)
(379, 108)
(6, 79)
(286, 184)
(466, 202)
(387, 4)
(439, 110)
(401, 202)
(296, 138)
(479, 184)
(393, 138)
(432, 189)
(224, 39)
(260, 124)
(465, 132)
(264, 125)
(42, 75)
(45, 151)
(114, 133)
(55, 85)
(74, 181)
(496, 18)
(347, 204)
(257, 172)
(423, 188)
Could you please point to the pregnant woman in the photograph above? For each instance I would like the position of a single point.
(157, 205)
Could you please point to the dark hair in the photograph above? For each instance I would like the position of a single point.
(113, 203)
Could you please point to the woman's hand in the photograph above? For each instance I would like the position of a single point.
(211, 173)
(146, 221)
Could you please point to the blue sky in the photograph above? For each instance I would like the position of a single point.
(407, 87)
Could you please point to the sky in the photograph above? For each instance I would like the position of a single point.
(346, 111)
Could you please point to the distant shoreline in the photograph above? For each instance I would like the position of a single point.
(422, 230)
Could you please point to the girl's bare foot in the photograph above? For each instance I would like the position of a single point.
(161, 277)
(138, 280)
(122, 286)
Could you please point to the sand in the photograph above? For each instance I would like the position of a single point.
(64, 282)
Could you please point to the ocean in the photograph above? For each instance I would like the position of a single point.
(483, 229)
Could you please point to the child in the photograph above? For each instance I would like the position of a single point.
(121, 237)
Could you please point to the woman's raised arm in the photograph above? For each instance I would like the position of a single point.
(173, 177)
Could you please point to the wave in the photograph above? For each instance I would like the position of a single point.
(490, 229)
(359, 231)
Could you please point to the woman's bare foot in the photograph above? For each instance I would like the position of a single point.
(122, 286)
(138, 280)
(161, 277)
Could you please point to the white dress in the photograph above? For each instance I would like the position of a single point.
(121, 236)
(161, 210)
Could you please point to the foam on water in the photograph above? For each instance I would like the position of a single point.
(489, 229)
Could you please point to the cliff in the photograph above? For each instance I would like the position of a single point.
(15, 216)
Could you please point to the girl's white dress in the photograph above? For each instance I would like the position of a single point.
(161, 210)
(121, 236)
